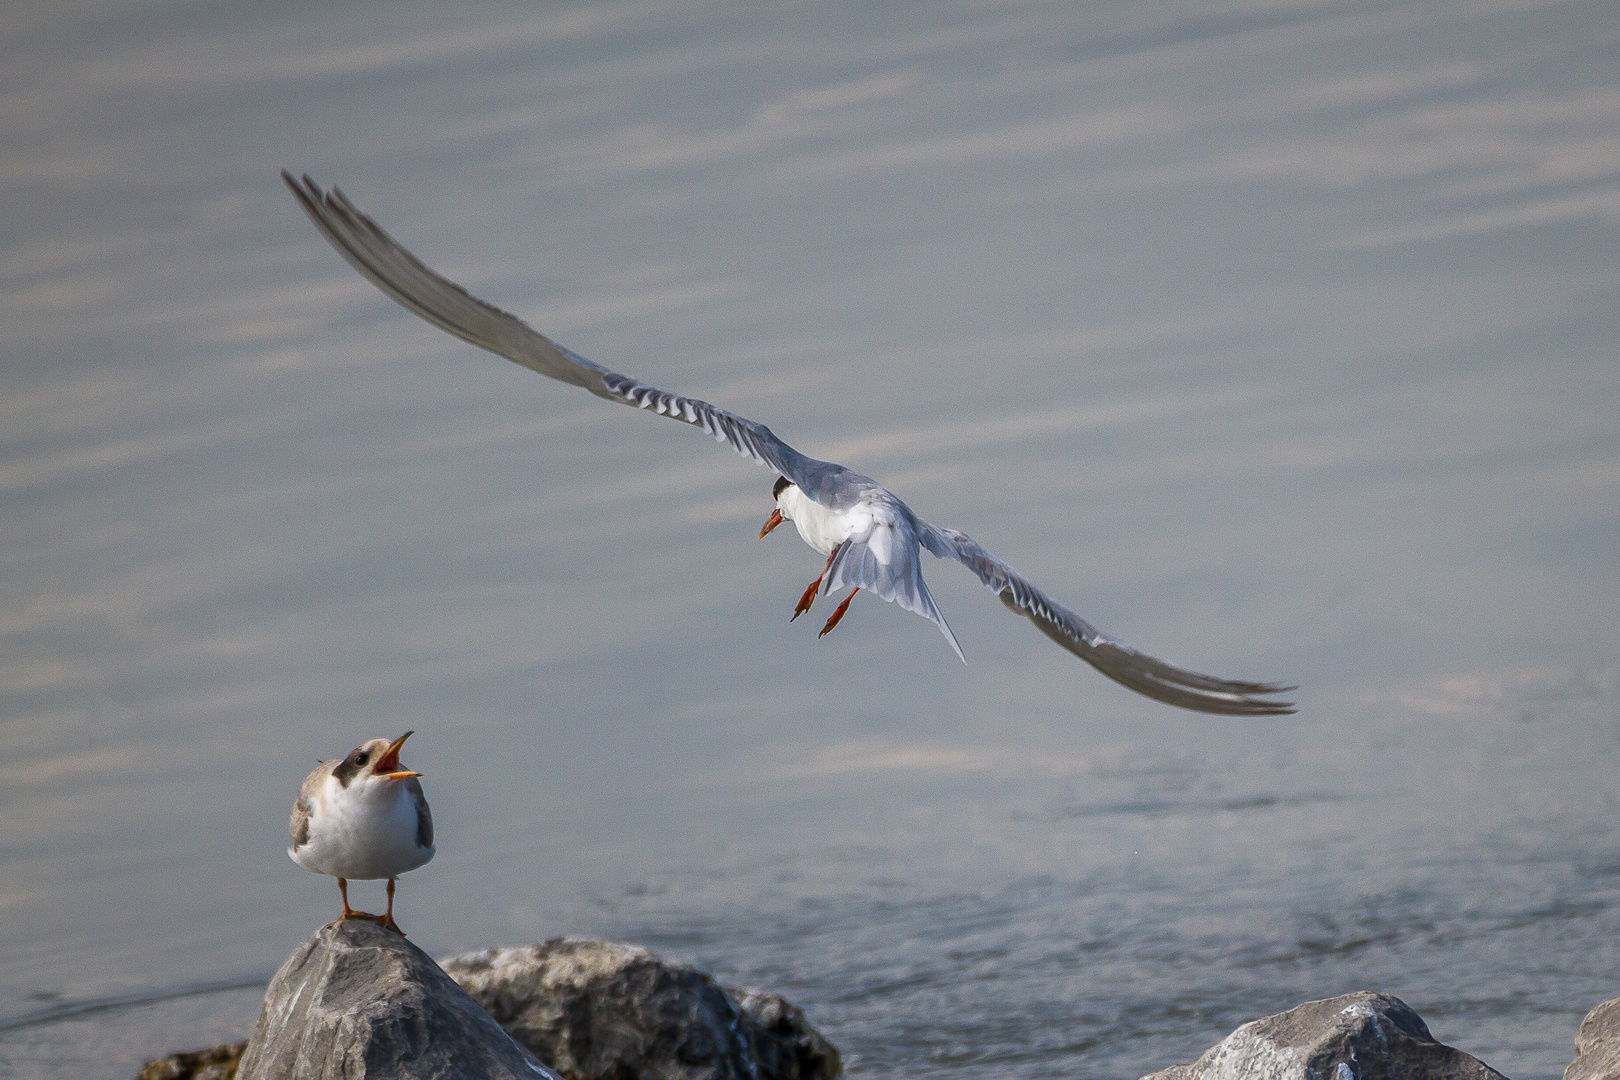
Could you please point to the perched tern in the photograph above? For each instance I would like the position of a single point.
(364, 817)
(871, 539)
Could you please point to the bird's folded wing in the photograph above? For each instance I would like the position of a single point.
(304, 808)
(883, 560)
(448, 306)
(1138, 671)
(424, 814)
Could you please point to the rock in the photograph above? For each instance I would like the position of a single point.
(1597, 1045)
(601, 1011)
(805, 1054)
(1361, 1036)
(211, 1063)
(357, 1001)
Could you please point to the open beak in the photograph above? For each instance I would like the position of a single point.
(771, 522)
(387, 766)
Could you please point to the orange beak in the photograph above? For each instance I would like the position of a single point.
(771, 522)
(387, 766)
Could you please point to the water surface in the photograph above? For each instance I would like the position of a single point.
(1276, 339)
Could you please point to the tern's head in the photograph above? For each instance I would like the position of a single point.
(783, 484)
(373, 764)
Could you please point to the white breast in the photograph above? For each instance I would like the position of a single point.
(362, 834)
(820, 527)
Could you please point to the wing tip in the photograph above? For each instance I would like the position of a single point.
(1248, 704)
(302, 186)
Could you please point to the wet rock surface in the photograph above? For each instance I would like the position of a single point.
(1597, 1045)
(595, 1010)
(356, 1000)
(209, 1063)
(1360, 1036)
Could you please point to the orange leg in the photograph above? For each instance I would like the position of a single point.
(348, 912)
(809, 596)
(388, 917)
(807, 599)
(351, 913)
(839, 613)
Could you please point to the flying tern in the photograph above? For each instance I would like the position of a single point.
(871, 539)
(363, 816)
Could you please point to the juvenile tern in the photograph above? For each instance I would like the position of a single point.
(363, 816)
(871, 539)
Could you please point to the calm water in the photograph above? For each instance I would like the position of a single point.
(1277, 339)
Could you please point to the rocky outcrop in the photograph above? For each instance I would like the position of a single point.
(210, 1063)
(357, 1001)
(800, 1050)
(1597, 1045)
(1361, 1036)
(600, 1011)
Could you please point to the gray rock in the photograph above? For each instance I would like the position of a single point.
(357, 1001)
(1597, 1045)
(1361, 1036)
(600, 1011)
(209, 1063)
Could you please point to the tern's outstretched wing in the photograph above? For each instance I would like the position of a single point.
(1142, 673)
(447, 305)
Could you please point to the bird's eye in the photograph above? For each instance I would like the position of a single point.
(360, 759)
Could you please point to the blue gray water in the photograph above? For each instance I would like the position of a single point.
(1277, 339)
